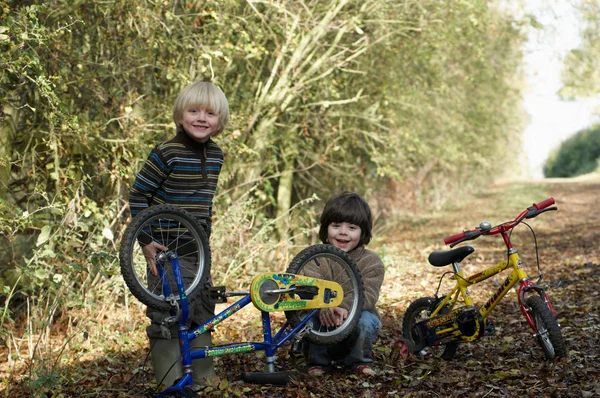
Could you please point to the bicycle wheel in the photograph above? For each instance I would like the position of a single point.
(420, 310)
(329, 263)
(177, 230)
(548, 331)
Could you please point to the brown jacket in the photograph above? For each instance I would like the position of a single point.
(372, 270)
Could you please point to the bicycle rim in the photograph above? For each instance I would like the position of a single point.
(330, 263)
(178, 231)
(543, 336)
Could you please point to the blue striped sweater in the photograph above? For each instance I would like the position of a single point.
(180, 172)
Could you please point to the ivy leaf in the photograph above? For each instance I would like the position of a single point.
(107, 233)
(44, 235)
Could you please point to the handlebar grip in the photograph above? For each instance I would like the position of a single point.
(544, 203)
(454, 238)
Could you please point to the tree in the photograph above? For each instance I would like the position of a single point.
(326, 95)
(577, 155)
(581, 70)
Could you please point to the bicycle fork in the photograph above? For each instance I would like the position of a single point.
(528, 286)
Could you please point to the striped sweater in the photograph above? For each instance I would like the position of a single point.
(180, 172)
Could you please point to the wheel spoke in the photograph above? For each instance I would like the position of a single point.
(175, 229)
(329, 263)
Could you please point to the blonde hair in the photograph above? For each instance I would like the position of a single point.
(204, 95)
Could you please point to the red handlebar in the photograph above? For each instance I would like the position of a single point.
(454, 238)
(544, 203)
(528, 213)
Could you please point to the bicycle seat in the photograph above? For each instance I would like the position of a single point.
(440, 258)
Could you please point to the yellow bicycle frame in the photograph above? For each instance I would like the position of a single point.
(454, 315)
(461, 289)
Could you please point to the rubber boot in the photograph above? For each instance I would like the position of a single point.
(166, 360)
(202, 368)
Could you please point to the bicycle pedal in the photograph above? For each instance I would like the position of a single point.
(216, 295)
(170, 320)
(306, 292)
(490, 329)
(297, 348)
(275, 378)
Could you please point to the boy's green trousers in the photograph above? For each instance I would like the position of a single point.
(166, 358)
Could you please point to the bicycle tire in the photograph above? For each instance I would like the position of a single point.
(320, 261)
(549, 335)
(176, 229)
(417, 311)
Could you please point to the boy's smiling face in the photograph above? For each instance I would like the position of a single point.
(200, 123)
(343, 235)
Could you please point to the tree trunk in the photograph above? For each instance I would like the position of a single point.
(6, 136)
(284, 200)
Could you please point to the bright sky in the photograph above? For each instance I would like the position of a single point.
(552, 120)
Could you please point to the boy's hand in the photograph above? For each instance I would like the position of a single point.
(150, 251)
(332, 316)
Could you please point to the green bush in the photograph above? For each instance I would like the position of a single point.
(577, 155)
(344, 94)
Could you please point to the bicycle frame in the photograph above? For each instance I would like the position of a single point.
(516, 275)
(446, 320)
(269, 344)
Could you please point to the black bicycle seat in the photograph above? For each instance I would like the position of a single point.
(441, 258)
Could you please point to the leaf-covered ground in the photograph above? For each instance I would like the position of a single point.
(107, 356)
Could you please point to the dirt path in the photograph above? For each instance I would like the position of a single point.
(509, 364)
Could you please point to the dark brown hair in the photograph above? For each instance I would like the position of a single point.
(347, 207)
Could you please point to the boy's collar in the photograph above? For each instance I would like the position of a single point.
(189, 140)
(357, 251)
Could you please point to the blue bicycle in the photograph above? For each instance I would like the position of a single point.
(165, 260)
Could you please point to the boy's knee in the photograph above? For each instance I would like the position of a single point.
(368, 324)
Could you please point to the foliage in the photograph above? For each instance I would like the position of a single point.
(581, 66)
(244, 248)
(373, 95)
(576, 155)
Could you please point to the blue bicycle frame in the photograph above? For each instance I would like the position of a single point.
(269, 344)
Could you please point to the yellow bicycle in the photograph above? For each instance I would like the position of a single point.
(435, 325)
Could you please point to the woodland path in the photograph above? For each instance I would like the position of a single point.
(508, 364)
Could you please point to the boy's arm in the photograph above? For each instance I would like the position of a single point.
(373, 272)
(146, 183)
(216, 161)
